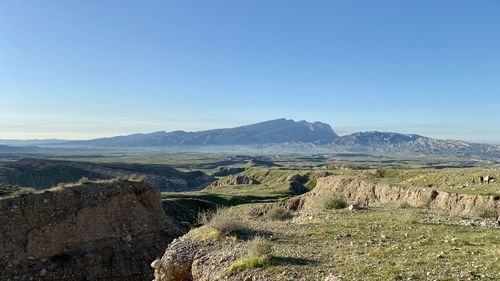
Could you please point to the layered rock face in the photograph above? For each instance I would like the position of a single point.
(368, 193)
(233, 180)
(98, 231)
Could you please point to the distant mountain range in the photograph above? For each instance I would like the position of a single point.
(394, 143)
(31, 142)
(284, 133)
(16, 149)
(269, 132)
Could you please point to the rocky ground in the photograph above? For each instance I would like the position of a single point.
(369, 244)
(390, 232)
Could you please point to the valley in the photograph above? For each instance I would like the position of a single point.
(320, 217)
(249, 140)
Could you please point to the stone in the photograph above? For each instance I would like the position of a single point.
(332, 277)
(354, 207)
(156, 263)
(128, 238)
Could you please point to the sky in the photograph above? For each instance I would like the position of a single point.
(87, 69)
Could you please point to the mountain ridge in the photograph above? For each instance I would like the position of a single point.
(289, 135)
(272, 131)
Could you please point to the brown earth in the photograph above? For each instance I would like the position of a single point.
(98, 231)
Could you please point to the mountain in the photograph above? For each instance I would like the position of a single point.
(5, 148)
(34, 142)
(375, 138)
(285, 136)
(17, 149)
(390, 143)
(269, 132)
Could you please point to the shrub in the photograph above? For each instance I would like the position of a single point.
(83, 180)
(226, 223)
(260, 247)
(137, 177)
(334, 203)
(24, 191)
(132, 177)
(404, 205)
(486, 212)
(259, 254)
(410, 216)
(278, 214)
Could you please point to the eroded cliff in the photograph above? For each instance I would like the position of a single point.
(107, 230)
(372, 193)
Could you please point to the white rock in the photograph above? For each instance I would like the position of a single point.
(156, 263)
(354, 207)
(128, 238)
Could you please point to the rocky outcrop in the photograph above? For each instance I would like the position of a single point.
(371, 193)
(98, 231)
(234, 180)
(189, 259)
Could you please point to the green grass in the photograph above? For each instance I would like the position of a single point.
(311, 184)
(247, 263)
(6, 190)
(185, 206)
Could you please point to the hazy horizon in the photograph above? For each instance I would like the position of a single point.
(84, 70)
(340, 132)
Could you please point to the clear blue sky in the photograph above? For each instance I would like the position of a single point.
(83, 69)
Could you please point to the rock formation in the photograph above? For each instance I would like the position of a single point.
(108, 230)
(370, 193)
(233, 180)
